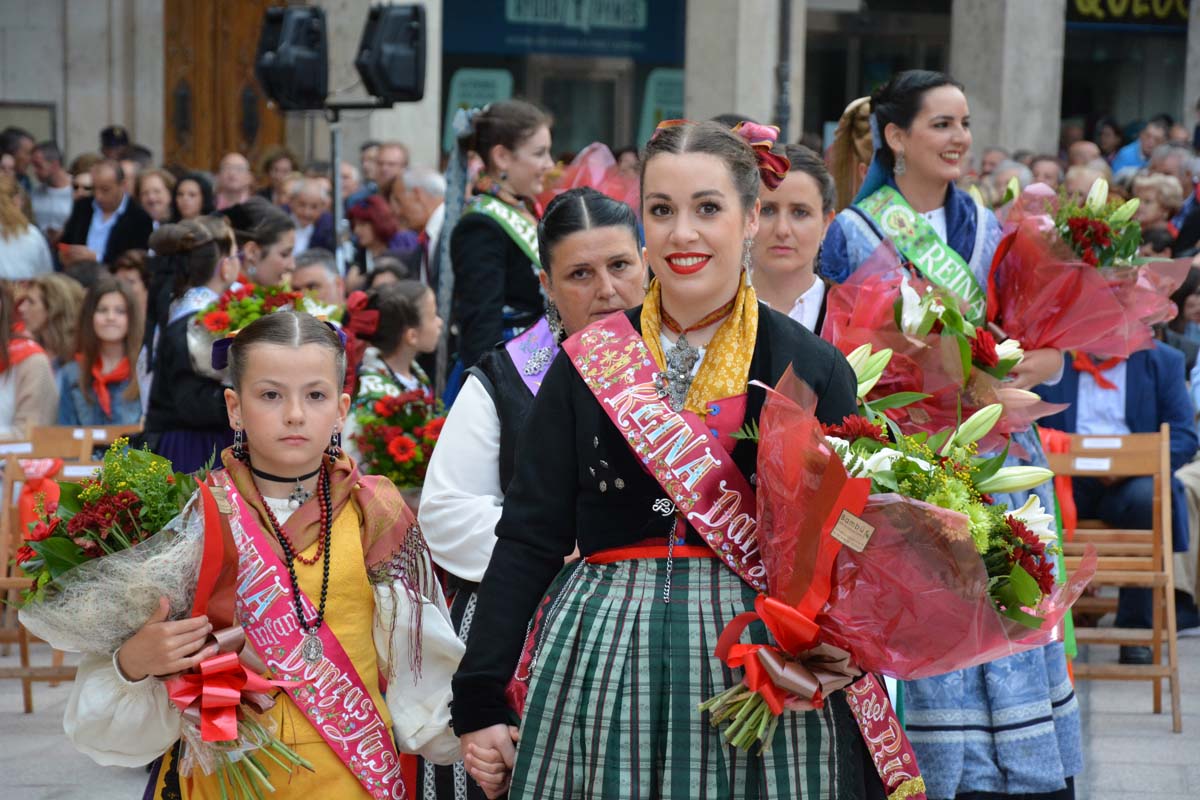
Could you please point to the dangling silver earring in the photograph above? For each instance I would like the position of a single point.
(334, 451)
(504, 176)
(900, 167)
(239, 444)
(554, 320)
(746, 247)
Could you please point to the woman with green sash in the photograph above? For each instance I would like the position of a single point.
(487, 278)
(1010, 727)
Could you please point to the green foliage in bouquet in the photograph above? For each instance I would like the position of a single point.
(132, 496)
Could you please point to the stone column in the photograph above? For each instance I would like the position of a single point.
(731, 54)
(415, 124)
(1009, 55)
(1191, 77)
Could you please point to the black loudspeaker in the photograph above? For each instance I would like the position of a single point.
(293, 57)
(391, 55)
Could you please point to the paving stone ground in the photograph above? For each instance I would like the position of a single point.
(1129, 751)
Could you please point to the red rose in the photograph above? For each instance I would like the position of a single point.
(24, 553)
(402, 449)
(983, 349)
(216, 321)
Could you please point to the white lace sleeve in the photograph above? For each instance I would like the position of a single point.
(419, 701)
(117, 722)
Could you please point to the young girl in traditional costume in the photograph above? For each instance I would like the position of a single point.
(406, 325)
(627, 655)
(332, 581)
(1009, 727)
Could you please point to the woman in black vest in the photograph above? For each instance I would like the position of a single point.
(593, 268)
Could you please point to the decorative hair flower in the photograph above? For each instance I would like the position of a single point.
(773, 167)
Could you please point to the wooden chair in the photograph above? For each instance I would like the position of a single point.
(64, 441)
(1129, 558)
(12, 582)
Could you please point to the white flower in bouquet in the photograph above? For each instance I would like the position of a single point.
(1010, 349)
(1037, 520)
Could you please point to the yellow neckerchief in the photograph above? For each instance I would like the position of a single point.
(725, 370)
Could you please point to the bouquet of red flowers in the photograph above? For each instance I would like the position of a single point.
(103, 556)
(1068, 276)
(396, 435)
(886, 548)
(237, 308)
(941, 367)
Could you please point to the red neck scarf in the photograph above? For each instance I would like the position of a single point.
(101, 380)
(1083, 363)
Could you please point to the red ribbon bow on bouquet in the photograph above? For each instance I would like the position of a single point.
(216, 690)
(769, 670)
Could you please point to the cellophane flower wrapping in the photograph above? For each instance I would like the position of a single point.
(596, 167)
(1043, 294)
(96, 606)
(914, 603)
(862, 310)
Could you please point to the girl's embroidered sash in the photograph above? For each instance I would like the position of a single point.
(692, 467)
(331, 693)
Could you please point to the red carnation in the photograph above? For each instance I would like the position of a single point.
(277, 301)
(402, 449)
(854, 427)
(24, 553)
(983, 349)
(216, 321)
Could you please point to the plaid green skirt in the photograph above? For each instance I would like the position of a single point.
(612, 707)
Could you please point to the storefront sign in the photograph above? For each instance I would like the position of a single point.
(473, 88)
(647, 31)
(1129, 12)
(579, 14)
(663, 99)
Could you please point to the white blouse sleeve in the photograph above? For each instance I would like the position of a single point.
(117, 722)
(461, 501)
(419, 702)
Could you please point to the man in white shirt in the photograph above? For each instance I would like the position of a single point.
(418, 202)
(52, 197)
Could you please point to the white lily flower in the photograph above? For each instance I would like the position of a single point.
(912, 309)
(1017, 398)
(1098, 195)
(1038, 520)
(858, 356)
(1010, 348)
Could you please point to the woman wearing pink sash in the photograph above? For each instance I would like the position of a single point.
(329, 579)
(628, 456)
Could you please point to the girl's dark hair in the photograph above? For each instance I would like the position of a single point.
(712, 138)
(399, 307)
(89, 345)
(506, 123)
(287, 329)
(195, 247)
(805, 160)
(899, 101)
(258, 221)
(580, 209)
(208, 203)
